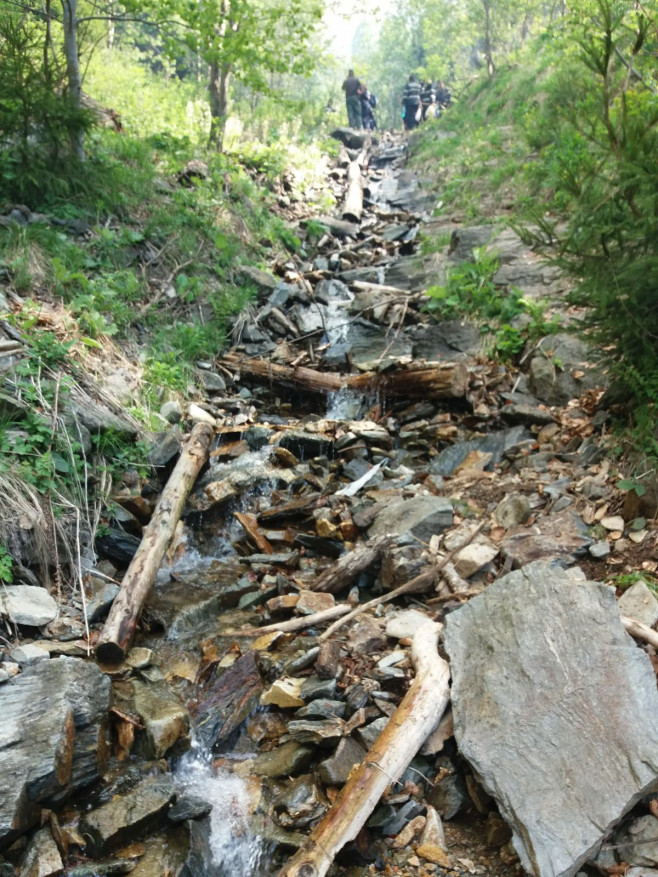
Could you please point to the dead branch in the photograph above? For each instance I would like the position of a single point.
(414, 720)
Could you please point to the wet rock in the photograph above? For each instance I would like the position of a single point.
(528, 635)
(300, 804)
(27, 604)
(563, 536)
(422, 516)
(165, 720)
(496, 443)
(53, 738)
(284, 693)
(226, 701)
(129, 816)
(103, 869)
(257, 437)
(306, 445)
(512, 511)
(166, 446)
(335, 770)
(368, 346)
(639, 603)
(98, 605)
(117, 546)
(286, 760)
(29, 654)
(189, 807)
(42, 858)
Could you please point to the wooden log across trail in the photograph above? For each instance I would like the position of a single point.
(413, 721)
(353, 206)
(434, 380)
(117, 635)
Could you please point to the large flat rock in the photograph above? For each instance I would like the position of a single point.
(556, 710)
(53, 738)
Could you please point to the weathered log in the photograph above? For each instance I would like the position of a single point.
(353, 206)
(434, 380)
(413, 721)
(640, 631)
(117, 635)
(338, 227)
(293, 624)
(348, 567)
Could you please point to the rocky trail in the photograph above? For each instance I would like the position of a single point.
(374, 481)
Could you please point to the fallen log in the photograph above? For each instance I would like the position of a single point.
(640, 631)
(353, 205)
(293, 624)
(433, 380)
(348, 567)
(117, 635)
(413, 721)
(339, 227)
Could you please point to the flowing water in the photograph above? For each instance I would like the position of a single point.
(230, 849)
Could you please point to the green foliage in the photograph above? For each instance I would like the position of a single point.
(6, 564)
(470, 290)
(36, 115)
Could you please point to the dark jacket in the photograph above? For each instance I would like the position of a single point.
(411, 93)
(351, 86)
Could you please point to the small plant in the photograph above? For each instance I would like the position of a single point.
(6, 564)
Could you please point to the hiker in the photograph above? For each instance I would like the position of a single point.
(368, 104)
(352, 88)
(443, 96)
(411, 103)
(427, 97)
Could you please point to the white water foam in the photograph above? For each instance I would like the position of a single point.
(235, 851)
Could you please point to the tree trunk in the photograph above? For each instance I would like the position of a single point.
(121, 623)
(408, 728)
(220, 77)
(488, 50)
(436, 380)
(70, 23)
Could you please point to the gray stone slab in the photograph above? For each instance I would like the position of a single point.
(52, 738)
(639, 603)
(556, 710)
(423, 516)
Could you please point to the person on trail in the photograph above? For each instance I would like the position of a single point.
(368, 104)
(443, 96)
(427, 97)
(411, 103)
(352, 88)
